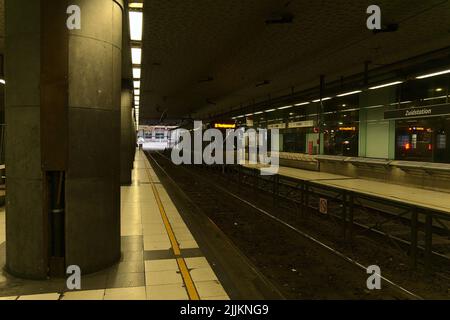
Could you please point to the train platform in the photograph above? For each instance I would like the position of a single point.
(423, 198)
(161, 259)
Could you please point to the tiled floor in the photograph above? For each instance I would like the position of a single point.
(148, 269)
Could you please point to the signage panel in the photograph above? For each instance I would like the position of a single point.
(418, 112)
(301, 124)
(277, 126)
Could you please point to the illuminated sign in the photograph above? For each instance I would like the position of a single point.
(347, 128)
(421, 112)
(224, 125)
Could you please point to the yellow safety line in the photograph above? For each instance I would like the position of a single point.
(171, 234)
(187, 279)
(190, 287)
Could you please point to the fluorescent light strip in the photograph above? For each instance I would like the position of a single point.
(349, 93)
(349, 110)
(136, 98)
(302, 104)
(137, 84)
(374, 107)
(323, 99)
(137, 91)
(136, 73)
(136, 25)
(270, 110)
(433, 74)
(435, 98)
(259, 112)
(285, 107)
(136, 55)
(403, 102)
(386, 85)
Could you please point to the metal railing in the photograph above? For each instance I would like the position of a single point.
(419, 226)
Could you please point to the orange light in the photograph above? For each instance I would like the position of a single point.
(347, 129)
(407, 146)
(224, 126)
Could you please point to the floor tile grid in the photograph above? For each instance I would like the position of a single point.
(206, 282)
(162, 280)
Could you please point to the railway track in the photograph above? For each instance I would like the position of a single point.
(300, 264)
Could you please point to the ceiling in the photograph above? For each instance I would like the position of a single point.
(202, 57)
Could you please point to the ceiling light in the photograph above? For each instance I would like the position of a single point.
(137, 92)
(136, 73)
(136, 55)
(386, 85)
(137, 84)
(259, 112)
(270, 110)
(136, 5)
(301, 104)
(323, 99)
(376, 106)
(433, 74)
(136, 25)
(439, 89)
(349, 93)
(285, 107)
(136, 98)
(434, 98)
(2, 81)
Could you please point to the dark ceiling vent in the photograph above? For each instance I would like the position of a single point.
(281, 19)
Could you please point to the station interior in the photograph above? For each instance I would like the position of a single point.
(224, 150)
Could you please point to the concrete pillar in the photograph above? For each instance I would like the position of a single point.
(80, 140)
(126, 137)
(376, 135)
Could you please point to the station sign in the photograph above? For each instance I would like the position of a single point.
(302, 124)
(418, 112)
(277, 126)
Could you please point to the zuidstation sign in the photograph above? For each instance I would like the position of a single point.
(418, 112)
